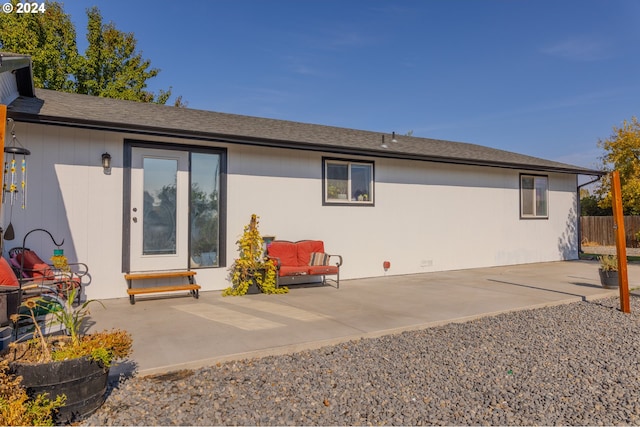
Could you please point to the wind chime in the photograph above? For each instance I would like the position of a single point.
(15, 177)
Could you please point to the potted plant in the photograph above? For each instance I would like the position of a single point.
(17, 408)
(337, 189)
(608, 271)
(251, 272)
(70, 370)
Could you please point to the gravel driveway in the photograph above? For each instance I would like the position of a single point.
(574, 364)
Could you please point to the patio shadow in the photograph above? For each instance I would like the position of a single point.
(584, 298)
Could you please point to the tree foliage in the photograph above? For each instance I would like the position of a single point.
(622, 153)
(589, 206)
(49, 38)
(111, 66)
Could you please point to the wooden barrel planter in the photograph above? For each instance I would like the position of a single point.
(82, 380)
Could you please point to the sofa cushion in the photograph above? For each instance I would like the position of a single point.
(7, 276)
(293, 270)
(286, 251)
(42, 271)
(323, 269)
(306, 248)
(319, 258)
(34, 266)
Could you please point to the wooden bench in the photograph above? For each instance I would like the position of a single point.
(192, 287)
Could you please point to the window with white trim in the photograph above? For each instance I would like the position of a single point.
(534, 196)
(347, 182)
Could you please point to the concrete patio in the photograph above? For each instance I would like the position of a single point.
(180, 332)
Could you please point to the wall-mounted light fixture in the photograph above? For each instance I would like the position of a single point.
(106, 161)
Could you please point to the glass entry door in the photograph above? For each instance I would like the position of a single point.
(159, 209)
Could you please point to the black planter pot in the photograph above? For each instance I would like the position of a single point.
(253, 288)
(82, 380)
(608, 279)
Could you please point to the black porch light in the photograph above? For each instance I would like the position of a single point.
(106, 161)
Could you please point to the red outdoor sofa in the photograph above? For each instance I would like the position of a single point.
(304, 258)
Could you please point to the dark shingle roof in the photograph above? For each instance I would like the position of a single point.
(52, 107)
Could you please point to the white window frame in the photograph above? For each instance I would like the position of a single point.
(532, 195)
(350, 199)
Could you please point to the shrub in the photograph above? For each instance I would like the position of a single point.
(16, 409)
(251, 265)
(608, 262)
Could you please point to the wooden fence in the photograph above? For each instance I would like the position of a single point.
(599, 230)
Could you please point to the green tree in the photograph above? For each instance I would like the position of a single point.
(49, 38)
(589, 206)
(622, 153)
(111, 66)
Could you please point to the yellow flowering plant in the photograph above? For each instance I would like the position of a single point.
(251, 266)
(60, 262)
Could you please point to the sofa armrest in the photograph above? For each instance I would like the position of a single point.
(79, 269)
(276, 260)
(339, 263)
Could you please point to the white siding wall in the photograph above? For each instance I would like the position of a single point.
(69, 195)
(427, 216)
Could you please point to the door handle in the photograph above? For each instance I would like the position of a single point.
(135, 219)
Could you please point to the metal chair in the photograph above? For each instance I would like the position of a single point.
(30, 269)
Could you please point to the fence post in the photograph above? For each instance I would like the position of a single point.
(621, 242)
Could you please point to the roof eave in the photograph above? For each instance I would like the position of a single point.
(10, 62)
(20, 65)
(275, 143)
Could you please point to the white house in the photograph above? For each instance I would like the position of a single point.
(421, 204)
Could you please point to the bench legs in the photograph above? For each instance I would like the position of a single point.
(324, 279)
(337, 280)
(194, 292)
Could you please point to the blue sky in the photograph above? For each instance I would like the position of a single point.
(539, 77)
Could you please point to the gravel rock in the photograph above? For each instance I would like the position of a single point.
(574, 364)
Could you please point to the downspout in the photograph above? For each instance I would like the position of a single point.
(598, 178)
